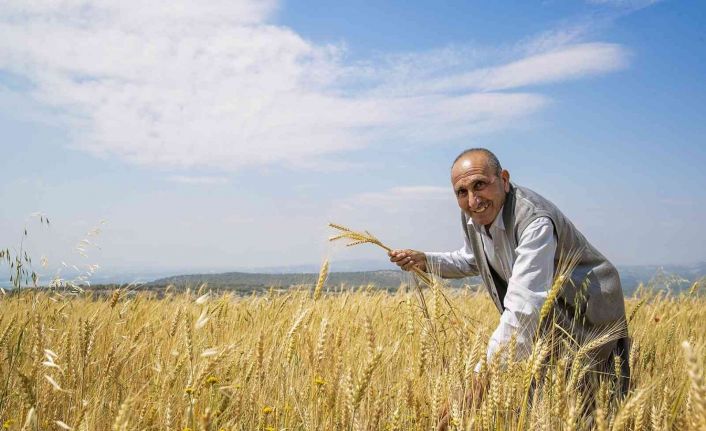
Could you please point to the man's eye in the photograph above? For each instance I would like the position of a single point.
(480, 185)
(461, 193)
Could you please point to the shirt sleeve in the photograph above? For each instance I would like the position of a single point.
(454, 264)
(532, 275)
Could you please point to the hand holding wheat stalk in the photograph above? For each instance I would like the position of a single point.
(357, 238)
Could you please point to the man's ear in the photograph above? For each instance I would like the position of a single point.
(505, 175)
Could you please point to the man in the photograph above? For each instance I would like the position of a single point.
(515, 239)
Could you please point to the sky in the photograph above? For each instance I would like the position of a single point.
(184, 136)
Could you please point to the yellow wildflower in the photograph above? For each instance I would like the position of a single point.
(189, 390)
(267, 410)
(211, 380)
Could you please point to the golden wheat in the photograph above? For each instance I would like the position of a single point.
(354, 359)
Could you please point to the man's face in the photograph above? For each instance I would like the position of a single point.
(479, 190)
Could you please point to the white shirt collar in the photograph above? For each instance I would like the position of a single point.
(498, 223)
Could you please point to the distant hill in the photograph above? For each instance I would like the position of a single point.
(676, 277)
(244, 281)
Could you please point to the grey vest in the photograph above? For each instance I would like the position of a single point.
(591, 299)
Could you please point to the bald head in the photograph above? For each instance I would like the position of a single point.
(490, 159)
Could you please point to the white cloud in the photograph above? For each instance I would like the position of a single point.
(183, 84)
(425, 217)
(565, 63)
(632, 4)
(238, 219)
(397, 199)
(197, 180)
(557, 38)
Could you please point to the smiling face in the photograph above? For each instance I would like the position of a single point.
(479, 190)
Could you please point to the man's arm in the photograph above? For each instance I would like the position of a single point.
(454, 264)
(532, 275)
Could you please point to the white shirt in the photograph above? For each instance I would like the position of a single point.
(528, 269)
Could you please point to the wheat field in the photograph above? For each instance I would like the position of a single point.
(328, 359)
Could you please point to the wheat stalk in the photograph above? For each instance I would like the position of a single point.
(357, 238)
(323, 274)
(226, 375)
(698, 387)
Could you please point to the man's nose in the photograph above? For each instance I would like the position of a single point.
(472, 200)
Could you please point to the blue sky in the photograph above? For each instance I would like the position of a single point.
(226, 135)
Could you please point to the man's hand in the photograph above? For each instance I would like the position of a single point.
(408, 259)
(473, 398)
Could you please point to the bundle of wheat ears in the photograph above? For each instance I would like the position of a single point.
(365, 237)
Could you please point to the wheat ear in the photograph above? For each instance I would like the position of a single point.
(698, 388)
(323, 274)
